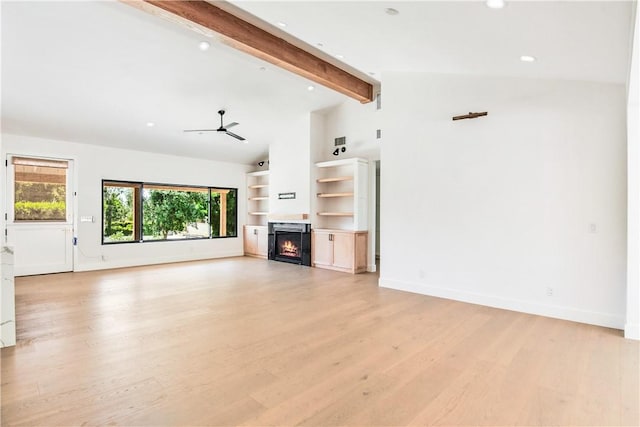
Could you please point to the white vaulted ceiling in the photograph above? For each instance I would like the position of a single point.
(98, 72)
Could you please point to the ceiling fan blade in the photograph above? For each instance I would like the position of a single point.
(232, 124)
(235, 136)
(200, 130)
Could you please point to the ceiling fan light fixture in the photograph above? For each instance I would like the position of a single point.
(204, 45)
(223, 128)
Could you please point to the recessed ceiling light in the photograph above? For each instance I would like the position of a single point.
(340, 56)
(204, 45)
(310, 88)
(391, 11)
(150, 124)
(281, 24)
(527, 58)
(495, 4)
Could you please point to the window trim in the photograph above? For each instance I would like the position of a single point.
(139, 223)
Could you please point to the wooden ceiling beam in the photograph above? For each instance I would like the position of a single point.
(255, 41)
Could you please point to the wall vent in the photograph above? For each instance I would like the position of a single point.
(378, 101)
(378, 133)
(340, 141)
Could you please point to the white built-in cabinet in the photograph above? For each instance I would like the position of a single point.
(341, 250)
(256, 238)
(255, 232)
(339, 239)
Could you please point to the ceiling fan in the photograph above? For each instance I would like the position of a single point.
(222, 128)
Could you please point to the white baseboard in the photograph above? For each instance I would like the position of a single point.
(558, 312)
(632, 331)
(137, 262)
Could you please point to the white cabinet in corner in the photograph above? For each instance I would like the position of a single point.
(256, 238)
(339, 250)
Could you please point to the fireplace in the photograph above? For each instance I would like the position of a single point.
(290, 242)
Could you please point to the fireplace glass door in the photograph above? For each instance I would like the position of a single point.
(288, 246)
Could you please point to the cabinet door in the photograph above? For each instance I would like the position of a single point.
(250, 240)
(343, 250)
(262, 241)
(322, 248)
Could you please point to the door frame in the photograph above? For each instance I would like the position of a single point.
(72, 196)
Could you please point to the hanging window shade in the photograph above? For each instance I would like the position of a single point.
(40, 189)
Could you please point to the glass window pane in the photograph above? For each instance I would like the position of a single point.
(171, 212)
(119, 212)
(40, 193)
(224, 212)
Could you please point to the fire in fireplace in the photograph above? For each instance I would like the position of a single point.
(289, 248)
(290, 242)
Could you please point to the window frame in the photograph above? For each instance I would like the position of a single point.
(236, 213)
(139, 222)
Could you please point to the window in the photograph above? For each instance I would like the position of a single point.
(120, 212)
(223, 212)
(171, 212)
(40, 190)
(139, 212)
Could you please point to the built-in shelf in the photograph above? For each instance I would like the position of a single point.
(258, 202)
(349, 194)
(335, 213)
(335, 179)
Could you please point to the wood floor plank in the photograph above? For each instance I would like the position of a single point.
(244, 341)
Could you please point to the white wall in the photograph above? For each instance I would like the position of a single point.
(502, 209)
(289, 159)
(632, 326)
(93, 163)
(358, 123)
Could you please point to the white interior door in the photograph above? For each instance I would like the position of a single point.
(40, 214)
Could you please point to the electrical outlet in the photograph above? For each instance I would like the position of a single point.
(593, 228)
(549, 291)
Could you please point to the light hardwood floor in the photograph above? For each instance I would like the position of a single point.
(244, 341)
